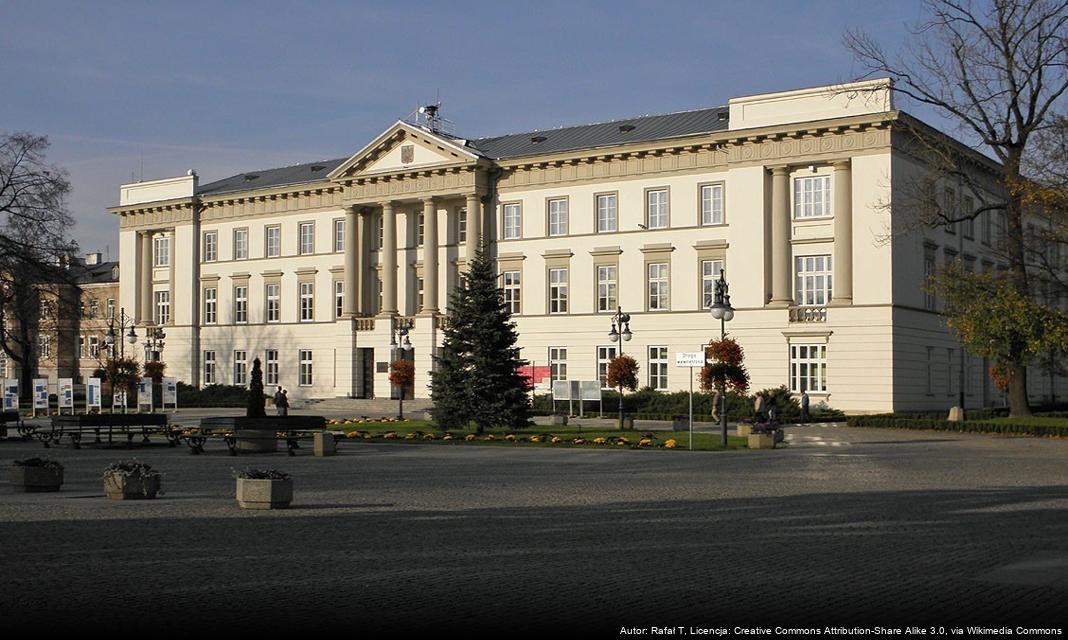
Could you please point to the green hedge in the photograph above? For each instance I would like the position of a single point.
(892, 421)
(213, 395)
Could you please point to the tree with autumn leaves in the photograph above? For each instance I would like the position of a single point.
(726, 372)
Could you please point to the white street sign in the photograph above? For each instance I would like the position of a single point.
(691, 359)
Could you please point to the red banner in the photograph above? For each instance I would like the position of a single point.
(535, 375)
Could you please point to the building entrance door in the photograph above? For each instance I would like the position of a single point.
(365, 358)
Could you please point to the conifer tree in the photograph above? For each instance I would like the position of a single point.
(478, 372)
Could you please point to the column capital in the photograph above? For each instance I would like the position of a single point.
(430, 200)
(779, 169)
(387, 204)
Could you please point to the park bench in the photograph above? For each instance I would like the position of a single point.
(101, 425)
(266, 432)
(15, 417)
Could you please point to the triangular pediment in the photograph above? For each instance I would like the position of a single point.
(405, 147)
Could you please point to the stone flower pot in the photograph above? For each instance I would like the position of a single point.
(119, 486)
(761, 441)
(745, 430)
(264, 494)
(35, 479)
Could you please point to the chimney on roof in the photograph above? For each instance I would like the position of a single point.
(93, 258)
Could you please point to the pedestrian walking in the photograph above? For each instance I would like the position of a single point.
(773, 411)
(804, 407)
(281, 402)
(717, 398)
(758, 408)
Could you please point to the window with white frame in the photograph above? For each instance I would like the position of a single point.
(929, 266)
(305, 367)
(111, 308)
(812, 196)
(270, 374)
(558, 280)
(161, 251)
(808, 368)
(94, 309)
(307, 238)
(339, 298)
(607, 280)
(513, 294)
(163, 307)
(94, 346)
(273, 296)
(241, 244)
(605, 354)
(812, 286)
(658, 286)
(307, 301)
(209, 367)
(339, 236)
(607, 213)
(461, 225)
(419, 293)
(240, 368)
(381, 292)
(658, 368)
(420, 228)
(272, 241)
(558, 217)
(513, 221)
(711, 204)
(81, 346)
(211, 305)
(211, 246)
(241, 304)
(380, 223)
(710, 270)
(44, 346)
(558, 363)
(656, 208)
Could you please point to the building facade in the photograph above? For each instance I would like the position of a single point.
(312, 267)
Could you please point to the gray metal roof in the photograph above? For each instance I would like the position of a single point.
(296, 174)
(96, 273)
(515, 145)
(604, 134)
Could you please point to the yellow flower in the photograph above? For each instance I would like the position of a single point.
(535, 439)
(367, 436)
(579, 441)
(352, 434)
(430, 436)
(670, 444)
(510, 437)
(410, 436)
(469, 437)
(392, 435)
(599, 441)
(447, 436)
(645, 442)
(622, 441)
(555, 440)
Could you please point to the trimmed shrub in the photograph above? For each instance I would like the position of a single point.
(894, 421)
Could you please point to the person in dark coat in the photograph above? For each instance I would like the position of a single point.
(804, 407)
(281, 402)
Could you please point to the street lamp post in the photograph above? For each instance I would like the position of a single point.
(114, 342)
(398, 339)
(154, 343)
(620, 333)
(722, 310)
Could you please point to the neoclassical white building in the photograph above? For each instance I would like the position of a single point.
(311, 267)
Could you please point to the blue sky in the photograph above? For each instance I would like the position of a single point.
(225, 87)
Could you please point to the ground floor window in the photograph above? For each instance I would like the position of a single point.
(808, 367)
(604, 356)
(305, 367)
(658, 367)
(240, 368)
(558, 363)
(271, 373)
(209, 367)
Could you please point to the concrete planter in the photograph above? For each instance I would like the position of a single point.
(324, 444)
(627, 424)
(264, 494)
(761, 441)
(35, 479)
(119, 486)
(256, 441)
(559, 421)
(745, 430)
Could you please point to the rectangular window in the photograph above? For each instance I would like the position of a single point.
(949, 209)
(305, 367)
(163, 307)
(240, 368)
(339, 236)
(711, 204)
(658, 286)
(813, 282)
(930, 370)
(44, 346)
(211, 305)
(812, 197)
(161, 251)
(307, 238)
(380, 223)
(808, 367)
(710, 270)
(656, 208)
(607, 297)
(513, 221)
(339, 298)
(558, 363)
(420, 228)
(111, 308)
(240, 244)
(274, 302)
(94, 309)
(241, 304)
(81, 346)
(604, 356)
(461, 226)
(307, 301)
(929, 267)
(658, 368)
(607, 213)
(419, 293)
(211, 246)
(952, 377)
(558, 290)
(209, 367)
(94, 346)
(272, 241)
(987, 224)
(513, 295)
(969, 224)
(270, 374)
(558, 217)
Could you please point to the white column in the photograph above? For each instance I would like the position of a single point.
(389, 260)
(842, 291)
(352, 292)
(474, 225)
(430, 257)
(780, 237)
(146, 278)
(363, 282)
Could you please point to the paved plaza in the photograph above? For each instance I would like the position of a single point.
(844, 527)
